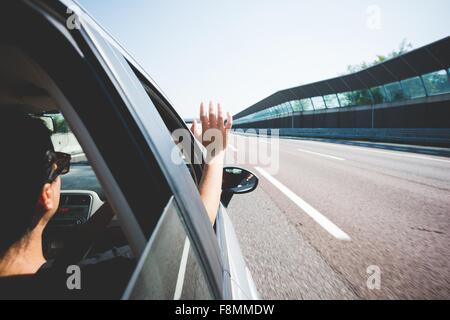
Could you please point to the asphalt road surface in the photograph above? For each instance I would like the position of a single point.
(337, 221)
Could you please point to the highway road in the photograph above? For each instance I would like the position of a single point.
(339, 221)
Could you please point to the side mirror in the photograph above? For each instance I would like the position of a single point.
(237, 181)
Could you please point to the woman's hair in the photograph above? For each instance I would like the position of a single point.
(24, 141)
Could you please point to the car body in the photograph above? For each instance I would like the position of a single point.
(124, 122)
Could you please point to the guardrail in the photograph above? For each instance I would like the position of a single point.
(427, 137)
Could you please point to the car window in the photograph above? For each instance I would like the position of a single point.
(81, 175)
(131, 79)
(166, 242)
(82, 195)
(169, 268)
(174, 122)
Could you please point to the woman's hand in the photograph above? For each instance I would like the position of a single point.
(213, 124)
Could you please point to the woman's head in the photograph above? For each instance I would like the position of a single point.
(27, 196)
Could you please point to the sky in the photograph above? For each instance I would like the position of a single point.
(238, 52)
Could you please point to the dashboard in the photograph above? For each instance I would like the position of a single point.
(82, 177)
(75, 209)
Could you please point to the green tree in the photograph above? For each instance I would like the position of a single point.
(363, 97)
(403, 48)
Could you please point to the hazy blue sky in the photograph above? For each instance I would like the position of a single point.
(240, 51)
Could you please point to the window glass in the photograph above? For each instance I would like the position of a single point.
(258, 115)
(281, 109)
(81, 175)
(278, 110)
(273, 111)
(287, 108)
(169, 268)
(59, 123)
(346, 99)
(331, 101)
(242, 120)
(379, 95)
(319, 103)
(361, 97)
(195, 286)
(437, 82)
(62, 137)
(263, 114)
(413, 88)
(173, 123)
(78, 202)
(395, 92)
(306, 104)
(296, 106)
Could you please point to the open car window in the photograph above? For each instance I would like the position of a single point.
(174, 122)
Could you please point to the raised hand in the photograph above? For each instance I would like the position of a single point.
(212, 120)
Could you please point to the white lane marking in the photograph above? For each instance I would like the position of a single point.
(323, 221)
(362, 148)
(404, 155)
(233, 148)
(182, 271)
(321, 154)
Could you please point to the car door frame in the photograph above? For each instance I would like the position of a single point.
(178, 177)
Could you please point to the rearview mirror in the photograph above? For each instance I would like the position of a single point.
(237, 181)
(48, 121)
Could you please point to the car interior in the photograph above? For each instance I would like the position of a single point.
(24, 85)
